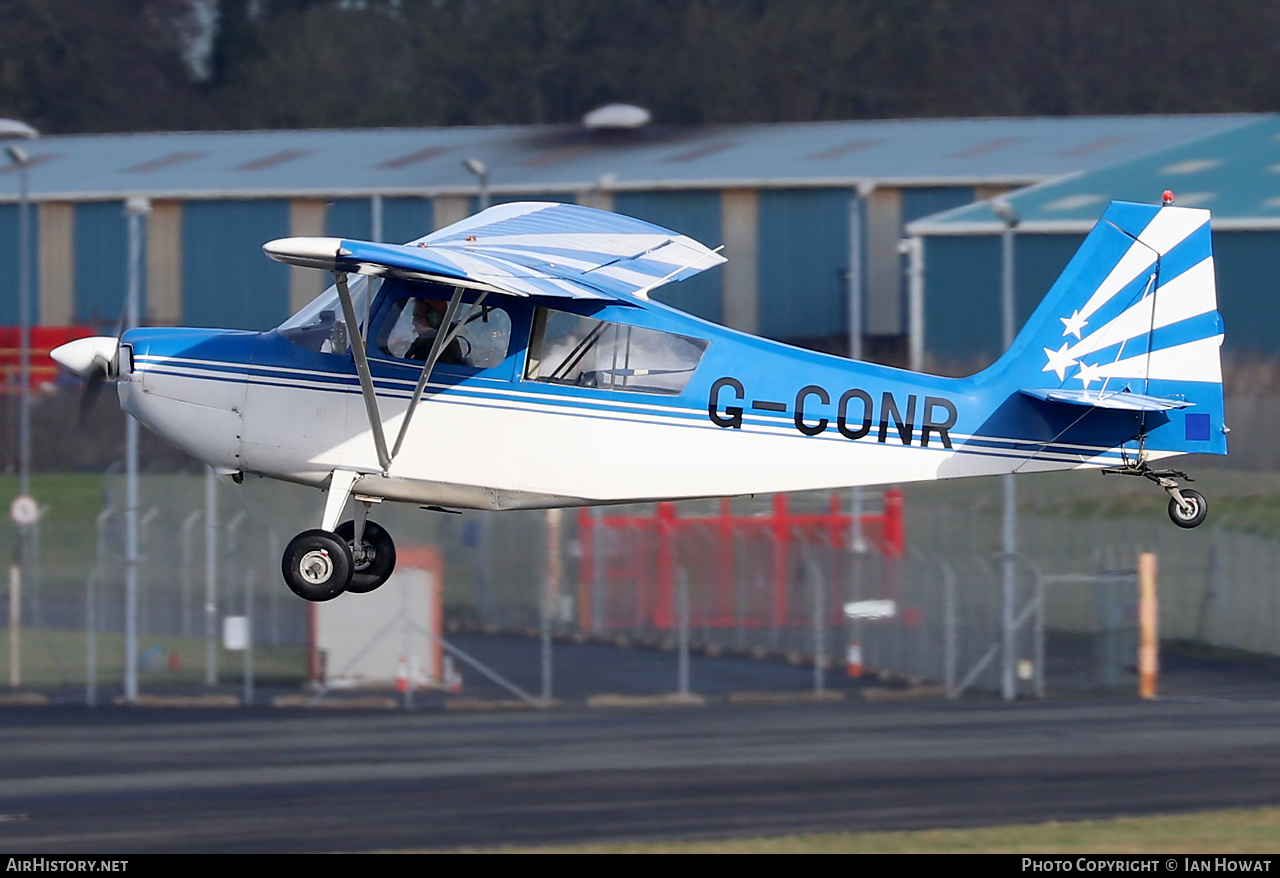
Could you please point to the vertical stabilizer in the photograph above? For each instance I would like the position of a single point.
(1134, 312)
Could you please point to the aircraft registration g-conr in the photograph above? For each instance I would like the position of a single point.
(514, 360)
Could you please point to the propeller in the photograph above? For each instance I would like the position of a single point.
(96, 359)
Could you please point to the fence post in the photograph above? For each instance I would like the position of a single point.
(951, 639)
(186, 564)
(1149, 651)
(663, 611)
(682, 611)
(210, 577)
(781, 557)
(819, 620)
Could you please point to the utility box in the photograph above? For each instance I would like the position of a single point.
(388, 638)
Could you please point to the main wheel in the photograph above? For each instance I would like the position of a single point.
(1193, 513)
(317, 565)
(379, 556)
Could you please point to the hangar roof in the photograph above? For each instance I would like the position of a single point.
(533, 159)
(1234, 173)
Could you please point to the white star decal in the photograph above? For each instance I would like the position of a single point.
(1073, 324)
(1059, 361)
(1089, 373)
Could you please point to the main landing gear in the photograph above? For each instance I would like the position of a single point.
(1187, 507)
(319, 565)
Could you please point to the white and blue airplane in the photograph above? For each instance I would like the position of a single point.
(514, 360)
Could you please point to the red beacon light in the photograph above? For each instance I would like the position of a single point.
(1167, 197)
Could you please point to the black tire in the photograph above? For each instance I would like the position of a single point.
(317, 565)
(1192, 516)
(380, 556)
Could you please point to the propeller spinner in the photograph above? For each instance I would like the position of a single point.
(95, 359)
(85, 356)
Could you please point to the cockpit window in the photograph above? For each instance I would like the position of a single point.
(320, 326)
(570, 349)
(411, 326)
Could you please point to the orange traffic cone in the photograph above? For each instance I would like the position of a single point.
(452, 677)
(402, 676)
(853, 660)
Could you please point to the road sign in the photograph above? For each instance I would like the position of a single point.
(24, 510)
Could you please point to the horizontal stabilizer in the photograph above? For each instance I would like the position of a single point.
(1108, 399)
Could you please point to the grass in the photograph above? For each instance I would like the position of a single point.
(1254, 831)
(52, 658)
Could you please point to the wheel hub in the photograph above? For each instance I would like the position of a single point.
(363, 555)
(316, 567)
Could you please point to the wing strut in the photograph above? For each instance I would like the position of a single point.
(439, 343)
(442, 340)
(362, 367)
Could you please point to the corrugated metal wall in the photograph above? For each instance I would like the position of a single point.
(696, 214)
(1040, 259)
(349, 218)
(1247, 295)
(9, 267)
(804, 260)
(404, 219)
(962, 301)
(227, 281)
(962, 292)
(923, 201)
(918, 203)
(101, 241)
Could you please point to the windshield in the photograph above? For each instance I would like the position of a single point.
(320, 325)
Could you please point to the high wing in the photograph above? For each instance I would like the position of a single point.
(522, 249)
(529, 248)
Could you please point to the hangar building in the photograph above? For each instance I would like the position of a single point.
(1235, 173)
(794, 204)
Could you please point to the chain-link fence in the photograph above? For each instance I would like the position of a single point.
(915, 592)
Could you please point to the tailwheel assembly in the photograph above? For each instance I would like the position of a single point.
(1187, 507)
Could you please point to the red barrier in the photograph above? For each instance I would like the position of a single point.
(44, 371)
(782, 528)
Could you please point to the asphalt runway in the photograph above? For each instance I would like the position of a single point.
(116, 780)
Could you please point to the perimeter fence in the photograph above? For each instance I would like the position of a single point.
(904, 592)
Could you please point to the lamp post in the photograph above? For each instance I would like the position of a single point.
(857, 211)
(11, 129)
(136, 209)
(478, 168)
(1009, 535)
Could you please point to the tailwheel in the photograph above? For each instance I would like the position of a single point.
(374, 558)
(1192, 509)
(1187, 507)
(317, 565)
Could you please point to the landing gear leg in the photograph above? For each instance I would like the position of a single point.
(1187, 507)
(373, 551)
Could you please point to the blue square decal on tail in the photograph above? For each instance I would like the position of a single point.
(1197, 427)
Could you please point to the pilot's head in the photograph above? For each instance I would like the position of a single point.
(427, 315)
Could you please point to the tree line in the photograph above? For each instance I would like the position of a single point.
(67, 66)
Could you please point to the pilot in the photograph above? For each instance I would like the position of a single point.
(428, 314)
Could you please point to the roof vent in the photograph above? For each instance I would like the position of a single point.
(616, 117)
